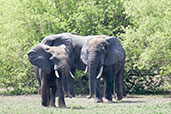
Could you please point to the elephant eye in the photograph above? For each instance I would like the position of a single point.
(54, 59)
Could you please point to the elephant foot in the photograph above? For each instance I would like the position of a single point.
(97, 100)
(52, 105)
(44, 104)
(68, 95)
(118, 97)
(105, 100)
(90, 96)
(62, 106)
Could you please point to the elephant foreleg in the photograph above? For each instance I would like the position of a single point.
(45, 91)
(52, 96)
(98, 92)
(70, 87)
(37, 73)
(108, 87)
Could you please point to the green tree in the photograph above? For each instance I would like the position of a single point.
(24, 23)
(147, 43)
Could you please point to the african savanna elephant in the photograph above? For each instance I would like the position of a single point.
(104, 57)
(74, 45)
(52, 63)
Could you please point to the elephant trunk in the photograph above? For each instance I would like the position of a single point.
(66, 74)
(92, 79)
(92, 67)
(95, 71)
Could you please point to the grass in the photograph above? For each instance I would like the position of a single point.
(133, 104)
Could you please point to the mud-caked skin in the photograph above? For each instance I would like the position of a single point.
(52, 71)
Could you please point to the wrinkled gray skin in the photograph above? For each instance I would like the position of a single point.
(69, 92)
(105, 57)
(74, 45)
(53, 69)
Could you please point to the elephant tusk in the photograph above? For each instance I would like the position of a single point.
(100, 72)
(86, 70)
(56, 73)
(71, 75)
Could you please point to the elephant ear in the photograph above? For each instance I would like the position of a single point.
(114, 51)
(40, 58)
(59, 39)
(84, 52)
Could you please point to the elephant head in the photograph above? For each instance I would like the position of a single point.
(98, 52)
(50, 58)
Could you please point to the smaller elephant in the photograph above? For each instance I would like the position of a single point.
(104, 57)
(53, 71)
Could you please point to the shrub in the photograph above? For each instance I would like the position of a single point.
(142, 26)
(24, 23)
(147, 43)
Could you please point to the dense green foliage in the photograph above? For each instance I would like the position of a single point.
(142, 26)
(148, 44)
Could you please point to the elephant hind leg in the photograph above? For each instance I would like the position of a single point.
(119, 85)
(124, 90)
(98, 92)
(108, 87)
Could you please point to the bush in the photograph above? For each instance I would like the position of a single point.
(25, 23)
(142, 26)
(147, 43)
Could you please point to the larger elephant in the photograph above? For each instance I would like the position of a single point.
(73, 44)
(53, 69)
(104, 57)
